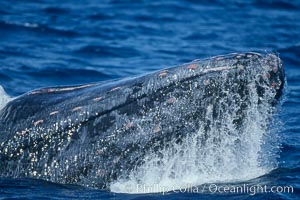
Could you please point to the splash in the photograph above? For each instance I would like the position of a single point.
(4, 98)
(222, 153)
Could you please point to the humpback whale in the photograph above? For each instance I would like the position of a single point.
(95, 134)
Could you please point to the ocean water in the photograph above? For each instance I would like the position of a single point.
(47, 43)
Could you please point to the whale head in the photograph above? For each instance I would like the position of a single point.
(98, 133)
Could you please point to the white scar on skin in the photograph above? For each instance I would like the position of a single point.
(60, 89)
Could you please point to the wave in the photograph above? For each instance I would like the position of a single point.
(39, 28)
(282, 5)
(56, 10)
(59, 72)
(107, 51)
(4, 98)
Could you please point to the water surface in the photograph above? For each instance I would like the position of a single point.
(46, 43)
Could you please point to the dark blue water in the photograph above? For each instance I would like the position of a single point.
(46, 43)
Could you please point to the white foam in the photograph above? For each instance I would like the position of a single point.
(4, 98)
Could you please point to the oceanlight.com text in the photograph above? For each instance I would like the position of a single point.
(214, 189)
